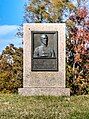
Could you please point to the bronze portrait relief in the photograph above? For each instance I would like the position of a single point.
(44, 51)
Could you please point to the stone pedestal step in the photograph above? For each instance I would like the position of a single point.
(38, 91)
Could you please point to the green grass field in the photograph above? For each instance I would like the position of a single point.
(13, 106)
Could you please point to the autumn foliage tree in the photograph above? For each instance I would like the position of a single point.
(76, 17)
(11, 69)
(48, 11)
(78, 50)
(77, 36)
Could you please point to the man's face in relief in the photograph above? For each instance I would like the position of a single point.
(44, 40)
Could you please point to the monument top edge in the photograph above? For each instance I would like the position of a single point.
(44, 24)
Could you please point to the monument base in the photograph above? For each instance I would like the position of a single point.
(38, 91)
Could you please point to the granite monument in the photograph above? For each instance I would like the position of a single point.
(44, 60)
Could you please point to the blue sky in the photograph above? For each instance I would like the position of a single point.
(11, 16)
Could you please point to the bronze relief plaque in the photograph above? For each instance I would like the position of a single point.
(44, 55)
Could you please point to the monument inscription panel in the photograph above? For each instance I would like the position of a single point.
(44, 51)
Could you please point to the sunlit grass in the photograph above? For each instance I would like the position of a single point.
(13, 106)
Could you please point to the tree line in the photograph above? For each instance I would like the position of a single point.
(75, 14)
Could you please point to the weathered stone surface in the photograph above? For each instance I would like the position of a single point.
(43, 82)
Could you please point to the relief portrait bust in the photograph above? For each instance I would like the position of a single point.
(44, 50)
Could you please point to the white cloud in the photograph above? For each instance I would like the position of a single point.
(7, 36)
(6, 29)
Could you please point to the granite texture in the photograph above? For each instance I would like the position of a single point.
(52, 91)
(42, 82)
